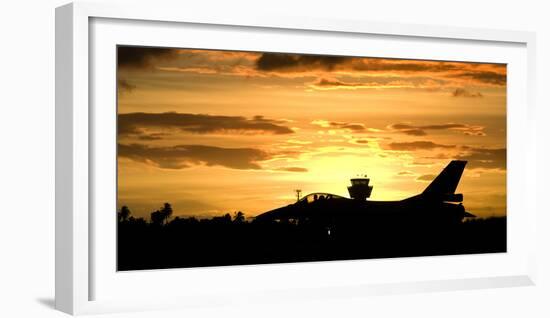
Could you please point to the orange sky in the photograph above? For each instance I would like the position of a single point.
(218, 131)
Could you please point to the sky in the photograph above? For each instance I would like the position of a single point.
(215, 132)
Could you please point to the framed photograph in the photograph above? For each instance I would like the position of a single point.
(203, 159)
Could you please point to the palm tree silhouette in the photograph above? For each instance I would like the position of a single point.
(157, 218)
(166, 212)
(238, 217)
(123, 214)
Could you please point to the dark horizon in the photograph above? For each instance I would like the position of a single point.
(232, 239)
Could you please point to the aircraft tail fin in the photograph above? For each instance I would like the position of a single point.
(445, 184)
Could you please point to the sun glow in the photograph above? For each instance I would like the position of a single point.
(214, 132)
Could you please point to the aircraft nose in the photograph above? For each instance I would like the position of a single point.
(468, 215)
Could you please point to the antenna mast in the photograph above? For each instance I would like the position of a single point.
(298, 192)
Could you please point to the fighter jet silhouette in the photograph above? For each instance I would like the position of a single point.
(437, 205)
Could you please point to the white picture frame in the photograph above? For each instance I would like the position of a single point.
(83, 286)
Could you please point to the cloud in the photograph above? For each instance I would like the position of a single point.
(377, 82)
(288, 62)
(298, 62)
(196, 70)
(370, 64)
(151, 136)
(440, 156)
(324, 83)
(356, 127)
(462, 92)
(209, 62)
(405, 173)
(330, 82)
(185, 156)
(350, 126)
(478, 158)
(136, 57)
(485, 158)
(368, 72)
(287, 154)
(124, 86)
(135, 123)
(414, 130)
(420, 163)
(416, 145)
(486, 77)
(360, 141)
(298, 142)
(311, 65)
(426, 177)
(292, 169)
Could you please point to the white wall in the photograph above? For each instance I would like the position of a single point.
(27, 158)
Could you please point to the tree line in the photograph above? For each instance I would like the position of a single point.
(161, 217)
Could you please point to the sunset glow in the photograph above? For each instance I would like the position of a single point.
(213, 132)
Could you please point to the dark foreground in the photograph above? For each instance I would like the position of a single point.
(233, 241)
